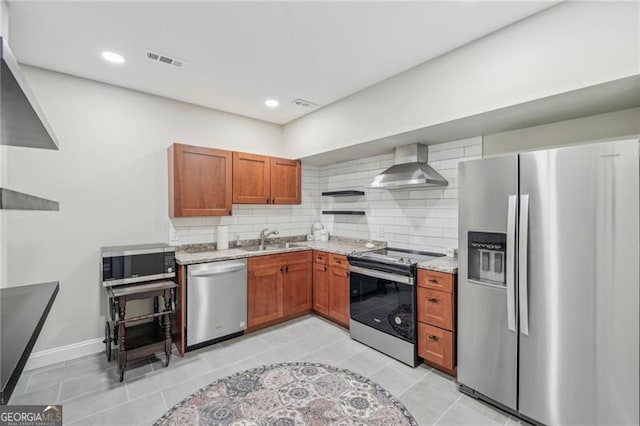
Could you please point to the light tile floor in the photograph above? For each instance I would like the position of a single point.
(90, 393)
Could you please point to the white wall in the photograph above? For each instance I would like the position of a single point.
(420, 219)
(569, 46)
(110, 177)
(613, 125)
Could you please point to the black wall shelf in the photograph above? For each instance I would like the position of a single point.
(345, 193)
(349, 212)
(14, 200)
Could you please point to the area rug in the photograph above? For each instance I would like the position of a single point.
(290, 394)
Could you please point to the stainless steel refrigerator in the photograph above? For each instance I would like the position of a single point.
(549, 277)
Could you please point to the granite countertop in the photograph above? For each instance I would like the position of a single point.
(336, 245)
(445, 264)
(23, 311)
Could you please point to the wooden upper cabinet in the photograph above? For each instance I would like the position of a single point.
(251, 178)
(200, 181)
(286, 181)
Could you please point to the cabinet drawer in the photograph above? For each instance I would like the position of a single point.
(435, 280)
(435, 307)
(339, 261)
(436, 345)
(320, 257)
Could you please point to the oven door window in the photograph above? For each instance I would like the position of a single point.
(385, 305)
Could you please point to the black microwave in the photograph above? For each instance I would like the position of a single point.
(139, 263)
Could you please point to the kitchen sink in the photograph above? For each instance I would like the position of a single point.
(270, 247)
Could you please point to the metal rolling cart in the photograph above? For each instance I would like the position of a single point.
(139, 340)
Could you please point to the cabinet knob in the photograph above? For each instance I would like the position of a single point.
(434, 338)
(432, 300)
(325, 268)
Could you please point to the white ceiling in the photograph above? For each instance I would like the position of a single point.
(238, 54)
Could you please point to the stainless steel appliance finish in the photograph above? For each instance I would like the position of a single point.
(216, 301)
(410, 170)
(136, 264)
(383, 301)
(399, 349)
(576, 273)
(487, 348)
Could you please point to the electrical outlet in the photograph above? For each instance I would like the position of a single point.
(381, 231)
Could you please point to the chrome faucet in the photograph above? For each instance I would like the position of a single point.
(264, 234)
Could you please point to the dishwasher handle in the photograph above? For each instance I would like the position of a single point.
(218, 270)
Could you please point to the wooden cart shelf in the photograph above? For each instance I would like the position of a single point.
(134, 339)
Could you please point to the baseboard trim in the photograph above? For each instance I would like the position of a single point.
(64, 353)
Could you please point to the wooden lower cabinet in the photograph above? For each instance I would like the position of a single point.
(436, 345)
(298, 284)
(331, 286)
(279, 287)
(321, 288)
(338, 304)
(265, 295)
(436, 307)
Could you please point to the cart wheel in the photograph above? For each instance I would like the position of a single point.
(121, 376)
(107, 340)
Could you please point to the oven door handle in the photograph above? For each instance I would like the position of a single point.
(379, 274)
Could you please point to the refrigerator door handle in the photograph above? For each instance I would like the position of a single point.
(523, 245)
(511, 263)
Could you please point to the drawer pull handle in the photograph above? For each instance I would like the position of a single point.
(432, 300)
(434, 338)
(433, 280)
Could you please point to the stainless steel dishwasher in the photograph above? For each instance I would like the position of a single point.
(216, 301)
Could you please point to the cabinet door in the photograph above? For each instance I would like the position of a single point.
(286, 181)
(265, 295)
(298, 294)
(339, 295)
(199, 181)
(321, 288)
(251, 178)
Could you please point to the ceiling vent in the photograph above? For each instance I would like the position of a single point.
(157, 57)
(304, 104)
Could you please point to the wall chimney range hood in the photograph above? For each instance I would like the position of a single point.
(410, 170)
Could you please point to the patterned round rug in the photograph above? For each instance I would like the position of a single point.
(288, 394)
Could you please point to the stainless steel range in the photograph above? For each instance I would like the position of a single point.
(383, 301)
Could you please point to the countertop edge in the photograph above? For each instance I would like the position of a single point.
(7, 391)
(248, 254)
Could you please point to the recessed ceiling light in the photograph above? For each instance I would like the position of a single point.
(271, 103)
(113, 57)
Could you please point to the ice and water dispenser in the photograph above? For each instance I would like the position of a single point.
(487, 256)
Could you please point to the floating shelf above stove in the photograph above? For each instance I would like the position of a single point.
(347, 212)
(344, 193)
